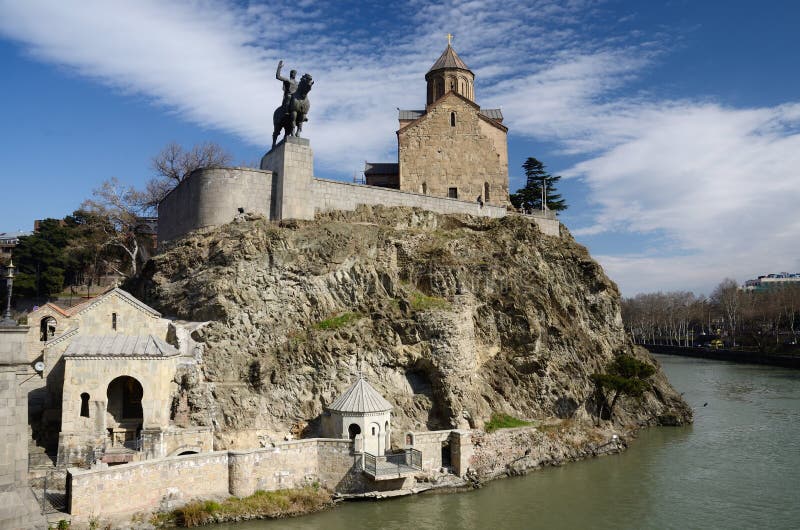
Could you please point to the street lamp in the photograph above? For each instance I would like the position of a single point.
(7, 320)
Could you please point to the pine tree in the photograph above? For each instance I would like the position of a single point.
(530, 197)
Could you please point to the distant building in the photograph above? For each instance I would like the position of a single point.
(9, 240)
(769, 281)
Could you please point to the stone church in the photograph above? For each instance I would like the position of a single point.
(453, 148)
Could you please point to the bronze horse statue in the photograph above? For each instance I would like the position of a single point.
(291, 117)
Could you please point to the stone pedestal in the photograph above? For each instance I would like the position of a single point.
(292, 163)
(18, 507)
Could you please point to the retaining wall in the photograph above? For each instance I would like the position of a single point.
(169, 482)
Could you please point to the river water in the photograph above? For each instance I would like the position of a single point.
(738, 466)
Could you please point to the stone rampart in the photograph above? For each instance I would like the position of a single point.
(214, 196)
(175, 480)
(334, 195)
(285, 189)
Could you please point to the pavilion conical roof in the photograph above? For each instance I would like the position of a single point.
(361, 397)
(449, 59)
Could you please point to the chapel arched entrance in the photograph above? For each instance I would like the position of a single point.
(125, 415)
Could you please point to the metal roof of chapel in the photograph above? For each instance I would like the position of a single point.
(361, 397)
(119, 346)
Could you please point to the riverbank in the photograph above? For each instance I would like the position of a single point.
(503, 453)
(720, 472)
(737, 356)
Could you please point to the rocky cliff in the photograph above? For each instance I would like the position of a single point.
(452, 318)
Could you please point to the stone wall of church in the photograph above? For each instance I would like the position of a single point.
(452, 147)
(93, 376)
(213, 196)
(173, 481)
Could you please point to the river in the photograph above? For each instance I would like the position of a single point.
(738, 466)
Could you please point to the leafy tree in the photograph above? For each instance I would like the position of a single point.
(40, 261)
(626, 375)
(530, 197)
(174, 163)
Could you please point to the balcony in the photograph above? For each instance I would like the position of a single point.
(395, 465)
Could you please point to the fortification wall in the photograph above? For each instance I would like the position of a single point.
(213, 196)
(175, 480)
(334, 195)
(285, 189)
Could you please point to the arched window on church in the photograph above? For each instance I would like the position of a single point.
(114, 321)
(452, 119)
(424, 188)
(486, 191)
(84, 405)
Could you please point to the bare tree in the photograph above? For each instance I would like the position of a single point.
(174, 164)
(117, 209)
(729, 299)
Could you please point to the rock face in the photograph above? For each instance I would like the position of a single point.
(452, 318)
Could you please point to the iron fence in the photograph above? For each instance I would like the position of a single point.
(406, 461)
(51, 491)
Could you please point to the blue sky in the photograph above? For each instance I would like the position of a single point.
(675, 124)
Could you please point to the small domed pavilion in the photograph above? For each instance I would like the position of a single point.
(361, 410)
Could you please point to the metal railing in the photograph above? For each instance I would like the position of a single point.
(406, 461)
(135, 444)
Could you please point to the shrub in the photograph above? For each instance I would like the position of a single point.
(338, 321)
(504, 421)
(422, 302)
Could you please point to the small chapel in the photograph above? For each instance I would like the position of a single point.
(453, 148)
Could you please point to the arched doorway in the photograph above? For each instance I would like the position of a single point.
(353, 430)
(47, 328)
(125, 413)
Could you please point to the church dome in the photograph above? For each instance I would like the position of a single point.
(450, 74)
(361, 398)
(448, 59)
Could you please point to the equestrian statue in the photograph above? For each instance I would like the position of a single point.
(294, 109)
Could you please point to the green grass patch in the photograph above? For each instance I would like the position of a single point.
(504, 421)
(423, 302)
(338, 321)
(261, 505)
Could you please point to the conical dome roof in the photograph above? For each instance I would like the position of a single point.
(361, 398)
(449, 59)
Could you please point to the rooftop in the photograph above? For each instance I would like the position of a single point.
(119, 346)
(404, 115)
(361, 397)
(449, 59)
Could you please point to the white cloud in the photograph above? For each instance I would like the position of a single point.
(719, 183)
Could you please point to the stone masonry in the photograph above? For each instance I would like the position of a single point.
(18, 507)
(454, 147)
(173, 481)
(292, 163)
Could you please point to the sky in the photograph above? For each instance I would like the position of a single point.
(674, 124)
